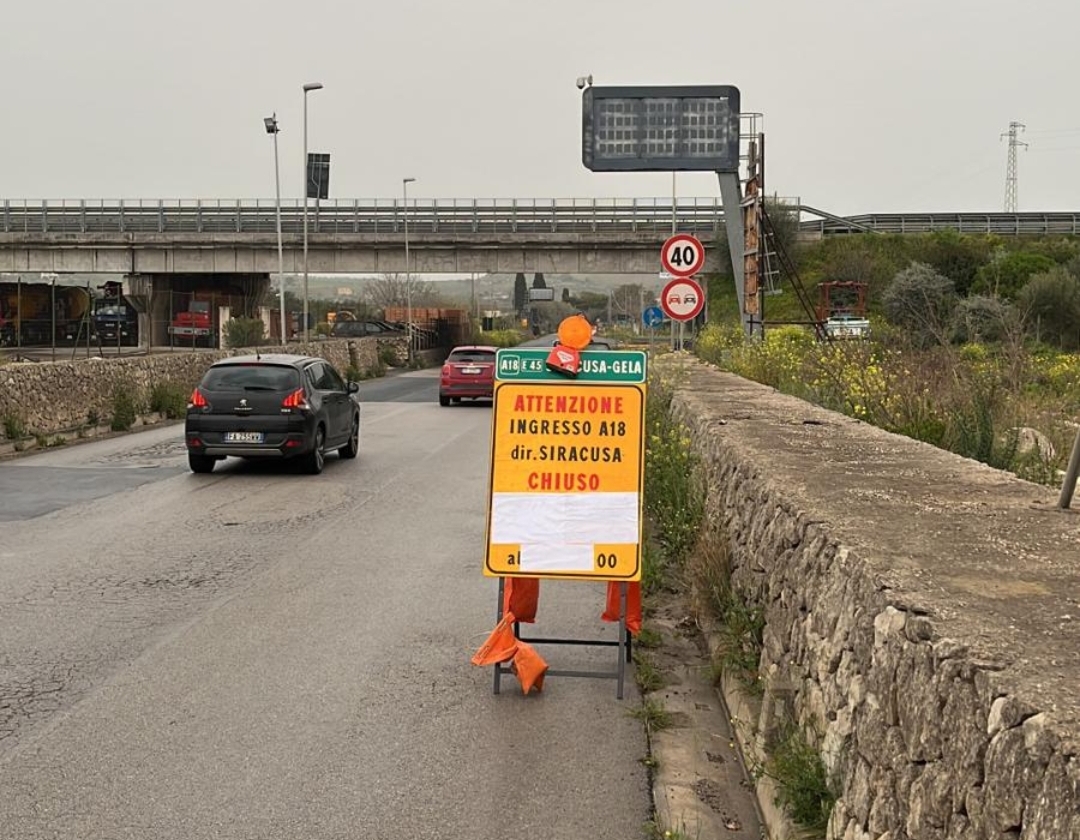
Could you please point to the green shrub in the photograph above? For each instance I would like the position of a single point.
(801, 780)
(14, 427)
(170, 399)
(500, 338)
(388, 356)
(245, 332)
(124, 409)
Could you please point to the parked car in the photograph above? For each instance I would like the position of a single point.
(468, 372)
(363, 329)
(272, 406)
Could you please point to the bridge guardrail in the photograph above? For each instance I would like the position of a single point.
(701, 216)
(1003, 224)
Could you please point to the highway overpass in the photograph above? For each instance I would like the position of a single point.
(571, 236)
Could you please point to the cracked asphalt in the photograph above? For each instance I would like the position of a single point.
(263, 654)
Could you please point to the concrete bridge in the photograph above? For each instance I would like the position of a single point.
(452, 236)
(557, 236)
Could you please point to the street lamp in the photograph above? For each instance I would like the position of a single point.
(310, 86)
(271, 124)
(408, 272)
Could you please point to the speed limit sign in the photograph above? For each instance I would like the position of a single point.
(682, 255)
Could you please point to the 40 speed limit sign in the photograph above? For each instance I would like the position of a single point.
(682, 255)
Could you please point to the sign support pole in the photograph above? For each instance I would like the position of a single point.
(733, 225)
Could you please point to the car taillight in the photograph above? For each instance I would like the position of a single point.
(446, 370)
(295, 400)
(197, 400)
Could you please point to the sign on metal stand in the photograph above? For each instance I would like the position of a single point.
(567, 478)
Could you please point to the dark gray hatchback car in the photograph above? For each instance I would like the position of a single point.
(272, 406)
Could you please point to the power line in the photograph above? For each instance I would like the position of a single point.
(1011, 186)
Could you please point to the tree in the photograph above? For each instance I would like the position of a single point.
(538, 281)
(390, 290)
(921, 301)
(1052, 300)
(565, 294)
(955, 256)
(979, 318)
(521, 293)
(626, 301)
(1007, 273)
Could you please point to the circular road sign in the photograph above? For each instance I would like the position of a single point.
(652, 316)
(682, 255)
(682, 299)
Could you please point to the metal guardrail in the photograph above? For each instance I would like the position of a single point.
(1003, 224)
(701, 216)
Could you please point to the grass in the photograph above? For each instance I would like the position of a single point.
(649, 678)
(653, 714)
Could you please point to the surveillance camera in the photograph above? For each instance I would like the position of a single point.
(580, 82)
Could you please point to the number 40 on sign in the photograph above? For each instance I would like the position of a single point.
(682, 255)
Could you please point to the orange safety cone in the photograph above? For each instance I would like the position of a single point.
(633, 605)
(500, 646)
(521, 597)
(529, 667)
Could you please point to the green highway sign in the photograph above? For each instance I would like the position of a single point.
(528, 364)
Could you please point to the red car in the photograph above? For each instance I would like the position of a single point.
(468, 372)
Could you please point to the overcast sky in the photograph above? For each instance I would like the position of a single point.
(869, 105)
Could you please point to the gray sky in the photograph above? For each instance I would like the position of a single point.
(870, 105)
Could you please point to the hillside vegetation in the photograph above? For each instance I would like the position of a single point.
(974, 343)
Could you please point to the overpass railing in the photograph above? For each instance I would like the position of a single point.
(1003, 224)
(466, 217)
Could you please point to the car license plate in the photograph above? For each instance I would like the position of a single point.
(470, 370)
(243, 437)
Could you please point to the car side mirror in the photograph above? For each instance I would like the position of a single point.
(354, 387)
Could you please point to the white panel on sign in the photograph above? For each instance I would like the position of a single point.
(556, 558)
(562, 518)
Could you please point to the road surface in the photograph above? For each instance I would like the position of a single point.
(263, 654)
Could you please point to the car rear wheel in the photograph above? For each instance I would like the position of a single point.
(314, 460)
(444, 401)
(352, 448)
(201, 463)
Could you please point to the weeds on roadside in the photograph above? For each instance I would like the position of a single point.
(652, 713)
(674, 495)
(803, 787)
(14, 427)
(169, 398)
(648, 677)
(740, 625)
(124, 410)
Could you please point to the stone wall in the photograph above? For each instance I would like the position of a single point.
(923, 614)
(52, 397)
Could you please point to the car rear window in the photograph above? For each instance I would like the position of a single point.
(472, 356)
(255, 377)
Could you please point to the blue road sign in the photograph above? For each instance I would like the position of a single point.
(653, 316)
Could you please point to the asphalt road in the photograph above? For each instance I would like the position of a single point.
(263, 654)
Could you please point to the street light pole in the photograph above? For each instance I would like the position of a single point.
(408, 270)
(307, 89)
(271, 124)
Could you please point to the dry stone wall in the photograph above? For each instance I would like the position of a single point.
(923, 614)
(53, 397)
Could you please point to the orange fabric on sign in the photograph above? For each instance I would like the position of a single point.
(529, 667)
(633, 605)
(521, 597)
(501, 645)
